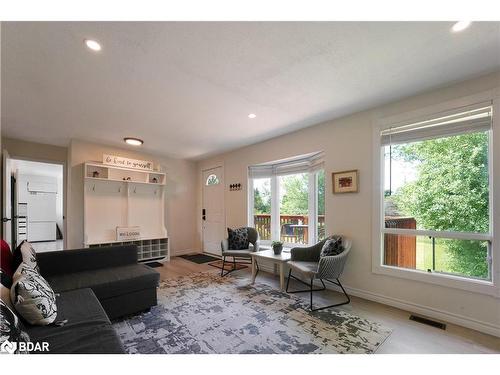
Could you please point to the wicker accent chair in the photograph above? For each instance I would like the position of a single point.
(239, 255)
(307, 262)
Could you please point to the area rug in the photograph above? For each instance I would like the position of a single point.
(228, 266)
(204, 313)
(199, 258)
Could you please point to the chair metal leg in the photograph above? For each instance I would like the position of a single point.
(300, 281)
(312, 280)
(234, 265)
(288, 280)
(311, 290)
(338, 283)
(222, 270)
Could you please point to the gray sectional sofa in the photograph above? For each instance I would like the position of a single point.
(94, 286)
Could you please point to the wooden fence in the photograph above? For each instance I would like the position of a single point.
(400, 251)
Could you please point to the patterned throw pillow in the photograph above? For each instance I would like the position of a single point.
(25, 253)
(332, 246)
(32, 296)
(11, 329)
(238, 239)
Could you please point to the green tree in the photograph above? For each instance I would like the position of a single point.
(450, 193)
(262, 202)
(296, 192)
(321, 192)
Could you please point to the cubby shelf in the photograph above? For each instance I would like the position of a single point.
(111, 201)
(147, 249)
(120, 174)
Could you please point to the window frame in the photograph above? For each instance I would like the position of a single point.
(489, 287)
(275, 207)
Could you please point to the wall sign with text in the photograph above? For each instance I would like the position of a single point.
(127, 163)
(128, 233)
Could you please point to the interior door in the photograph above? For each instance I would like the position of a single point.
(7, 199)
(212, 214)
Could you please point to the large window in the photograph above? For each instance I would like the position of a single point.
(287, 200)
(262, 207)
(436, 195)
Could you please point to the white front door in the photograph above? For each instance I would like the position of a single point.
(7, 199)
(213, 223)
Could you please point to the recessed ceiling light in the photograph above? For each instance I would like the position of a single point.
(133, 141)
(252, 115)
(460, 26)
(93, 45)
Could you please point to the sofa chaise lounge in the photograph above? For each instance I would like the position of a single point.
(94, 286)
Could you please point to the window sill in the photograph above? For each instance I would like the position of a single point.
(450, 281)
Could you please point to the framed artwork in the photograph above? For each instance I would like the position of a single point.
(345, 182)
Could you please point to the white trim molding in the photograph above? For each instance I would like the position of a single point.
(427, 311)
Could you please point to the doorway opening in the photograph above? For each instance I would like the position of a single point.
(37, 204)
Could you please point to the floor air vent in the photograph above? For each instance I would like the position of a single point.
(429, 322)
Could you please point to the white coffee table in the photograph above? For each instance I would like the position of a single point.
(277, 260)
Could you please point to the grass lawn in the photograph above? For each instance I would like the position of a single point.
(424, 255)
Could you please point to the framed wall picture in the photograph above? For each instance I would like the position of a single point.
(345, 182)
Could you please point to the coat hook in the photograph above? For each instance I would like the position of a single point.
(93, 188)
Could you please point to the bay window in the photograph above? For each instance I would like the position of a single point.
(436, 201)
(287, 200)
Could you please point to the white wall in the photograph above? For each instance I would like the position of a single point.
(180, 193)
(347, 143)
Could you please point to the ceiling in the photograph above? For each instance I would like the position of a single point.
(186, 88)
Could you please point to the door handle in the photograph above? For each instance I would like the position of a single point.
(5, 219)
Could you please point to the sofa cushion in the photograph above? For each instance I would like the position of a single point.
(108, 282)
(87, 330)
(32, 296)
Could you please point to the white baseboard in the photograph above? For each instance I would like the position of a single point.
(431, 312)
(184, 252)
(427, 311)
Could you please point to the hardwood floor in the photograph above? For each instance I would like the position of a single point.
(408, 337)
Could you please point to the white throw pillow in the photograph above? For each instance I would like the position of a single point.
(32, 296)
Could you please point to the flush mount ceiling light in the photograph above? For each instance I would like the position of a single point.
(133, 141)
(92, 44)
(252, 115)
(460, 26)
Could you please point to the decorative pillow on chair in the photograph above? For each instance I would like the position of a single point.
(11, 329)
(238, 239)
(32, 296)
(332, 246)
(25, 253)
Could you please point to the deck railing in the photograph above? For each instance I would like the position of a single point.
(293, 228)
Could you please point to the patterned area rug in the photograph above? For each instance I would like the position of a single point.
(204, 313)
